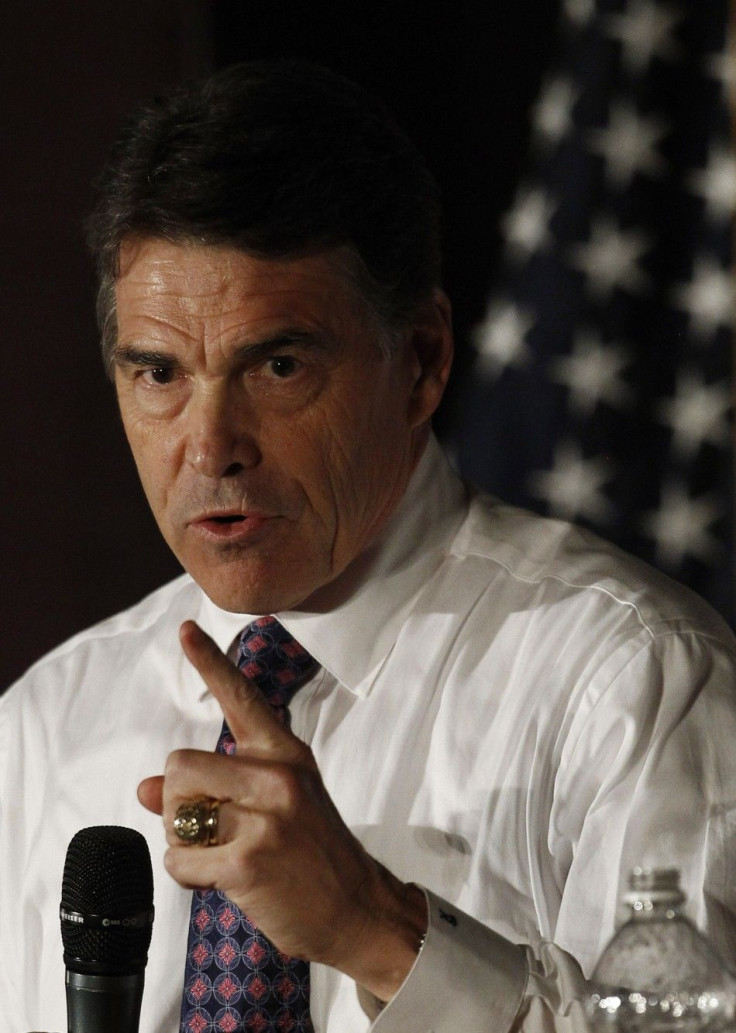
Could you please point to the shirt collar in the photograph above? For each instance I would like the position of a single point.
(354, 638)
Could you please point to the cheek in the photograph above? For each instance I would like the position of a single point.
(155, 454)
(361, 458)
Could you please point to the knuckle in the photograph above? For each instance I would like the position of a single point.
(267, 836)
(287, 789)
(177, 763)
(252, 854)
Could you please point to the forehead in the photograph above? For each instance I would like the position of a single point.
(196, 281)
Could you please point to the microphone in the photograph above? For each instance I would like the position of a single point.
(106, 918)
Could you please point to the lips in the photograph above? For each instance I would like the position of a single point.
(234, 518)
(229, 525)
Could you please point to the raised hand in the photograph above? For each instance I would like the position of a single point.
(284, 855)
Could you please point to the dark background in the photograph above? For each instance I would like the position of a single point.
(79, 543)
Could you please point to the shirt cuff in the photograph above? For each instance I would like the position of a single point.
(465, 977)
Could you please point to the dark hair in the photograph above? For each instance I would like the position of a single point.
(275, 159)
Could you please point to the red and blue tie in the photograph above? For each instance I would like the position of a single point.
(236, 980)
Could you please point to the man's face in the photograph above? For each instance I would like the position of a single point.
(272, 436)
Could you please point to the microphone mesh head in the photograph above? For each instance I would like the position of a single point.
(108, 874)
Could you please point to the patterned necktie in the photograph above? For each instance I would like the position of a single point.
(235, 980)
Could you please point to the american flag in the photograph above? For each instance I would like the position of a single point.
(602, 381)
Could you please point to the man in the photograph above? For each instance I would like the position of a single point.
(501, 714)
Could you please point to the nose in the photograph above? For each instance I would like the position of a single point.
(220, 438)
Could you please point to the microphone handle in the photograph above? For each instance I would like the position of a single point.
(103, 1004)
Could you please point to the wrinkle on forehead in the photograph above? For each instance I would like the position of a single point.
(205, 281)
(219, 298)
(158, 264)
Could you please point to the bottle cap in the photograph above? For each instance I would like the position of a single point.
(656, 885)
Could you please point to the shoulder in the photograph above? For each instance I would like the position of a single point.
(541, 564)
(567, 644)
(559, 619)
(115, 641)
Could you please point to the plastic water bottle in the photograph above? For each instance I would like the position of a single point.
(659, 973)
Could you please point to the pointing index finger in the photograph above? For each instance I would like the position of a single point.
(250, 718)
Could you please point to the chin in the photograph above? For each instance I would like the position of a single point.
(241, 595)
(238, 601)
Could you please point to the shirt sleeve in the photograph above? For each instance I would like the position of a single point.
(651, 779)
(468, 977)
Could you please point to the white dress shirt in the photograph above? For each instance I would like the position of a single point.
(509, 712)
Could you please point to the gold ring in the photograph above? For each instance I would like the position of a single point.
(196, 823)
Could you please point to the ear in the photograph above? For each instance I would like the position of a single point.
(431, 346)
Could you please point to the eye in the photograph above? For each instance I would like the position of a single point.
(282, 366)
(160, 375)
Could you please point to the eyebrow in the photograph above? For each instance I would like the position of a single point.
(132, 355)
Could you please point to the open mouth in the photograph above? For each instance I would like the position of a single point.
(232, 526)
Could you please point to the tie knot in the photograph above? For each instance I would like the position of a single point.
(271, 657)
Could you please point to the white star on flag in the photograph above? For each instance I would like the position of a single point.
(629, 144)
(499, 339)
(722, 67)
(645, 31)
(526, 225)
(552, 113)
(579, 11)
(698, 413)
(618, 412)
(572, 488)
(717, 183)
(609, 258)
(592, 374)
(679, 527)
(708, 298)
